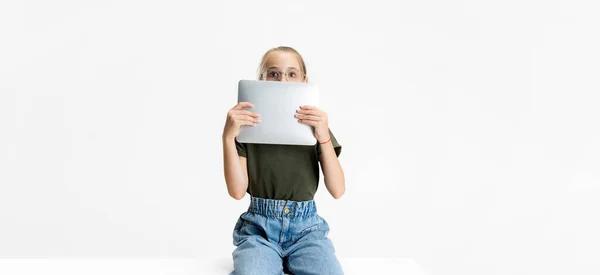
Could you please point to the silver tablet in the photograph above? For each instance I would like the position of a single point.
(276, 103)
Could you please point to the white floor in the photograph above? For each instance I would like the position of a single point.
(351, 266)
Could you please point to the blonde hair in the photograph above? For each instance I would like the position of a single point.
(263, 62)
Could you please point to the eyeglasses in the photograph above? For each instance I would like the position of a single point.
(292, 75)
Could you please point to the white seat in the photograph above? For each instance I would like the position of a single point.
(223, 265)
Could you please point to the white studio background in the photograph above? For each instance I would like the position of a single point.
(470, 128)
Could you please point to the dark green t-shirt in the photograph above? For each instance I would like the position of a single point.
(283, 172)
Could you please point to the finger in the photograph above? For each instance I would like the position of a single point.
(242, 105)
(248, 123)
(309, 122)
(309, 117)
(242, 122)
(247, 118)
(308, 107)
(309, 111)
(246, 112)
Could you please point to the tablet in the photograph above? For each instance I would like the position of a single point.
(276, 103)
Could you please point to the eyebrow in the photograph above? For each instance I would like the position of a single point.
(275, 67)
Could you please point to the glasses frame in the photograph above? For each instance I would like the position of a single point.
(285, 73)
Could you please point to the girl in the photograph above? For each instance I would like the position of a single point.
(281, 231)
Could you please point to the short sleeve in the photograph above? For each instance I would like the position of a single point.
(241, 149)
(336, 146)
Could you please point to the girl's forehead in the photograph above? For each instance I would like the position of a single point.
(282, 59)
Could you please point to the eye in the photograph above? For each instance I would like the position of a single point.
(273, 74)
(292, 75)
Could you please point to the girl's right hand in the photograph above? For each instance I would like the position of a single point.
(236, 117)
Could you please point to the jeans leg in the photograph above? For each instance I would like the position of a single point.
(314, 257)
(254, 254)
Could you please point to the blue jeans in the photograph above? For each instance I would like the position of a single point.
(277, 236)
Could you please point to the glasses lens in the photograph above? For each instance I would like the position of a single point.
(272, 75)
(294, 75)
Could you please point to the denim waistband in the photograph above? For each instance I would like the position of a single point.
(279, 208)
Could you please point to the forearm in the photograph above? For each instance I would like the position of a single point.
(235, 176)
(332, 171)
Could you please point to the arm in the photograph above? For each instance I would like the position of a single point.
(235, 167)
(332, 170)
(330, 165)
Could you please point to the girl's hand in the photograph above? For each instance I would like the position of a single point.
(236, 117)
(316, 118)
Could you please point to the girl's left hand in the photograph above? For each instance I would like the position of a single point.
(316, 118)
